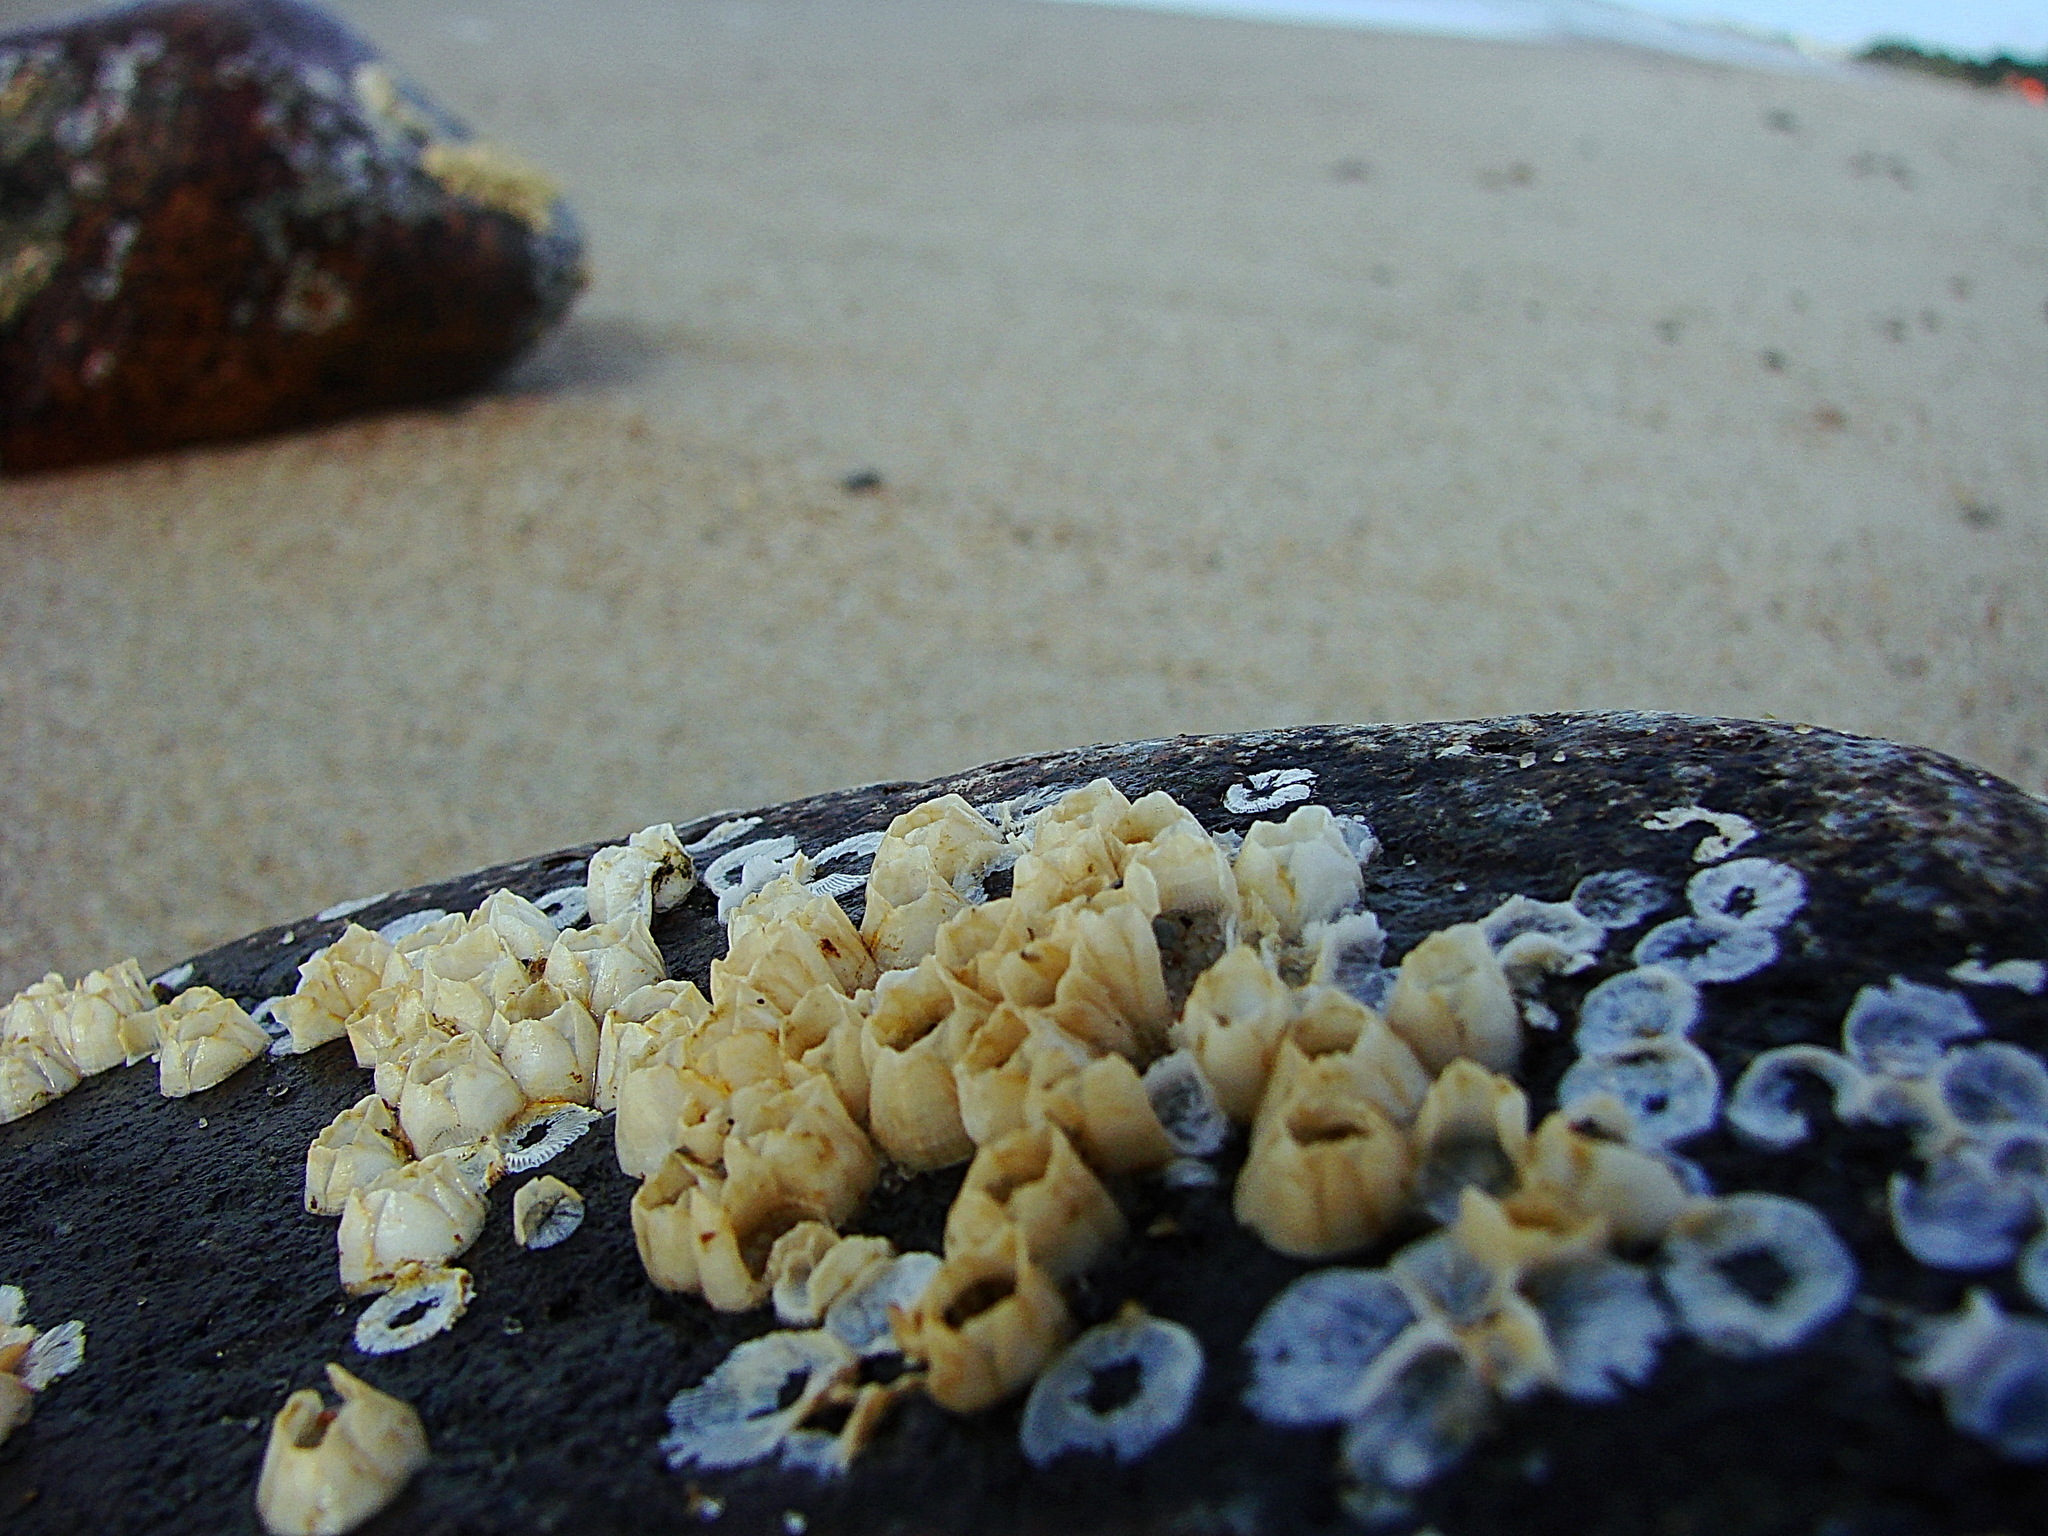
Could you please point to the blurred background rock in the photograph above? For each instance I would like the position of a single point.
(963, 379)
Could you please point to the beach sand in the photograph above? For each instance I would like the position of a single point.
(1219, 375)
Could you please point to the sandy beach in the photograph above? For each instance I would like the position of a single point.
(1217, 375)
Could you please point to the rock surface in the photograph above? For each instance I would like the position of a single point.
(226, 217)
(173, 1227)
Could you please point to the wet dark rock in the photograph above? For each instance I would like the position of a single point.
(208, 1296)
(226, 217)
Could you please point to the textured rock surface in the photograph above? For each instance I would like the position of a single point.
(225, 217)
(173, 1228)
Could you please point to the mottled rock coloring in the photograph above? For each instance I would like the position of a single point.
(226, 217)
(174, 1228)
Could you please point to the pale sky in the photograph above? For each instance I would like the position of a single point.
(2019, 27)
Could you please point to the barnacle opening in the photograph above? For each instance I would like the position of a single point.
(1119, 1389)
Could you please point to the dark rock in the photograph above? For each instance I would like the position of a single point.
(226, 217)
(208, 1296)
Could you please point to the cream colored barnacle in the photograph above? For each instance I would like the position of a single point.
(202, 1040)
(985, 1326)
(32, 1073)
(811, 1267)
(427, 1212)
(333, 984)
(1232, 1025)
(920, 1021)
(1033, 1180)
(553, 1058)
(649, 873)
(603, 964)
(326, 1471)
(1472, 1132)
(1452, 999)
(545, 1212)
(104, 1021)
(357, 1148)
(1296, 873)
(637, 1030)
(457, 1092)
(930, 858)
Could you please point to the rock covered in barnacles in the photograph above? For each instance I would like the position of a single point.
(326, 1471)
(228, 217)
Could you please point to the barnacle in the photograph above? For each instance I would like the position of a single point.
(863, 1316)
(920, 1021)
(811, 1267)
(604, 963)
(31, 1359)
(1752, 1272)
(1472, 1132)
(427, 1212)
(424, 1300)
(457, 1092)
(552, 1057)
(1186, 1106)
(203, 1039)
(33, 1073)
(1604, 1323)
(1423, 1406)
(545, 1212)
(1081, 1405)
(326, 1471)
(638, 1028)
(1708, 949)
(1755, 892)
(1313, 1345)
(1620, 898)
(1902, 1030)
(1532, 937)
(1572, 1174)
(357, 1148)
(1232, 1026)
(1294, 873)
(746, 1409)
(543, 1133)
(333, 983)
(648, 874)
(929, 859)
(1992, 1372)
(1453, 1000)
(1647, 1003)
(985, 1325)
(1667, 1084)
(1961, 1214)
(1034, 1181)
(103, 1021)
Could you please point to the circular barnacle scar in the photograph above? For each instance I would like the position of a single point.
(744, 1410)
(1754, 1272)
(1959, 1215)
(1423, 1409)
(1903, 1029)
(1119, 1389)
(1313, 1345)
(1626, 1009)
(1764, 1108)
(1667, 1085)
(1993, 1085)
(1604, 1322)
(422, 1304)
(1558, 920)
(544, 1133)
(1704, 949)
(1751, 891)
(860, 1318)
(1992, 1373)
(1620, 898)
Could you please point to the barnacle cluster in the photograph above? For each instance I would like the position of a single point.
(482, 1035)
(31, 1359)
(52, 1037)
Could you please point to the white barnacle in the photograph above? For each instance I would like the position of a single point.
(357, 1148)
(1962, 1215)
(427, 1212)
(333, 983)
(1647, 1003)
(859, 1316)
(650, 873)
(601, 965)
(1453, 999)
(1232, 1025)
(1604, 1323)
(811, 1267)
(1730, 831)
(427, 1300)
(739, 872)
(203, 1039)
(1268, 790)
(1347, 954)
(327, 1471)
(1704, 949)
(744, 1410)
(1296, 873)
(544, 1133)
(411, 925)
(1754, 1272)
(1764, 1108)
(985, 1326)
(1903, 1029)
(32, 1073)
(1620, 898)
(1667, 1084)
(1756, 892)
(545, 1212)
(1993, 1086)
(1186, 1105)
(1992, 1372)
(1424, 1406)
(1312, 1346)
(1120, 1388)
(1564, 938)
(456, 1092)
(2028, 976)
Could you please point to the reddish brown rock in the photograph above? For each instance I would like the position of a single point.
(225, 217)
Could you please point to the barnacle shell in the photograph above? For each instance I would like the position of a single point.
(559, 1127)
(1313, 1345)
(427, 1212)
(457, 1092)
(31, 1075)
(1189, 871)
(1569, 1177)
(1034, 1181)
(985, 1325)
(1472, 1132)
(1357, 1043)
(327, 1472)
(635, 1031)
(1294, 873)
(811, 1267)
(1232, 1024)
(1453, 1000)
(662, 1229)
(428, 1298)
(16, 1404)
(358, 1147)
(786, 939)
(1328, 1171)
(921, 1019)
(553, 1058)
(649, 873)
(863, 1316)
(333, 983)
(802, 1140)
(1819, 1273)
(104, 1021)
(1424, 1404)
(601, 964)
(1668, 1086)
(1992, 1372)
(526, 931)
(1061, 1417)
(1104, 1109)
(203, 1039)
(545, 1212)
(1186, 1106)
(930, 857)
(665, 1104)
(745, 1409)
(1630, 1007)
(1603, 1321)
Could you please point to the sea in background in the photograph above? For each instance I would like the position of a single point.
(1798, 35)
